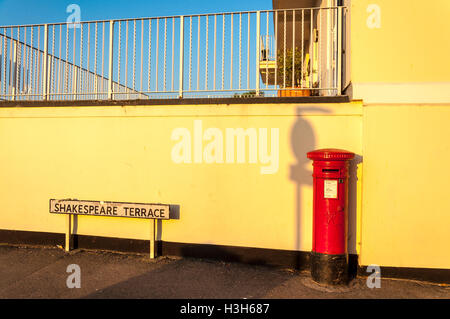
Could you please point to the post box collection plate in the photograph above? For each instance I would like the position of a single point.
(330, 188)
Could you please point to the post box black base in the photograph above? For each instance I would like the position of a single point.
(329, 269)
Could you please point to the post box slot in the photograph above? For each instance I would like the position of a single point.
(330, 170)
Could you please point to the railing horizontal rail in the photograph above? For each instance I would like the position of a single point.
(173, 16)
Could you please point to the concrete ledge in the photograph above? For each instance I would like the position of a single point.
(421, 274)
(183, 101)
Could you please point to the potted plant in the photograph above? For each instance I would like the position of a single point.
(284, 74)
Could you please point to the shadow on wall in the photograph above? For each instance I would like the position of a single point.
(303, 140)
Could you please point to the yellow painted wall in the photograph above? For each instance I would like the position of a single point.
(124, 154)
(401, 72)
(398, 51)
(410, 46)
(406, 203)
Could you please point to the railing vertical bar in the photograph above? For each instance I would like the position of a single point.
(66, 72)
(231, 54)
(206, 51)
(45, 79)
(13, 71)
(74, 80)
(267, 49)
(24, 64)
(258, 49)
(37, 67)
(73, 64)
(302, 52)
(58, 89)
(22, 56)
(20, 66)
(110, 60)
(27, 65)
(215, 51)
(5, 64)
(319, 48)
(284, 52)
(126, 56)
(248, 51)
(11, 52)
(293, 48)
(95, 61)
(165, 54)
(52, 72)
(103, 58)
(198, 53)
(134, 56)
(173, 54)
(5, 51)
(149, 68)
(276, 47)
(88, 80)
(339, 34)
(190, 51)
(223, 48)
(119, 51)
(240, 49)
(142, 56)
(157, 54)
(79, 73)
(311, 54)
(17, 64)
(1, 66)
(30, 66)
(22, 52)
(180, 85)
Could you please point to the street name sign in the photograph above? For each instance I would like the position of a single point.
(102, 208)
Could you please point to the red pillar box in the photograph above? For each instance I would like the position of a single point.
(329, 256)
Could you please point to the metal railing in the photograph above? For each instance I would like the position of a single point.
(208, 55)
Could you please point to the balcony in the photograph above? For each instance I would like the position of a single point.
(238, 54)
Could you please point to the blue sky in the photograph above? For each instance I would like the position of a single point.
(14, 12)
(25, 12)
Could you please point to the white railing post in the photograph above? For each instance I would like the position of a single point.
(180, 89)
(44, 73)
(110, 62)
(258, 50)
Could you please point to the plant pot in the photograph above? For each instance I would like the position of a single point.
(294, 92)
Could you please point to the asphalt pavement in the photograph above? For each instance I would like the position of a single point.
(46, 272)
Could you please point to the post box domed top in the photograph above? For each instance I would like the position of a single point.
(330, 154)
